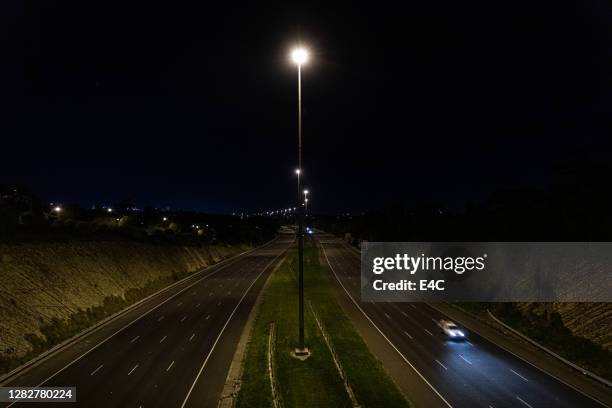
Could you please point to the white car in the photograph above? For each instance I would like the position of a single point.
(451, 330)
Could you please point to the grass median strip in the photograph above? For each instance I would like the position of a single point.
(316, 381)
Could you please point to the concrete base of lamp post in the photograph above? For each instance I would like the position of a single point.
(301, 354)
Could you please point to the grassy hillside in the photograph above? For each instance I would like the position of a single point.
(51, 291)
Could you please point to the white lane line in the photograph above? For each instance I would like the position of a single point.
(514, 372)
(192, 336)
(183, 319)
(405, 314)
(163, 338)
(412, 306)
(170, 366)
(387, 316)
(198, 305)
(469, 343)
(179, 303)
(207, 317)
(523, 401)
(408, 334)
(132, 370)
(134, 339)
(212, 349)
(428, 332)
(381, 333)
(160, 319)
(465, 359)
(443, 366)
(96, 370)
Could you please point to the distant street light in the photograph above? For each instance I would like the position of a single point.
(110, 210)
(300, 56)
(165, 219)
(57, 209)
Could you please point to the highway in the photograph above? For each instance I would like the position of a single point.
(174, 350)
(474, 373)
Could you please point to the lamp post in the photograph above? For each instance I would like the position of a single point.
(306, 202)
(299, 56)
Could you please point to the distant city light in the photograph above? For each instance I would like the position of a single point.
(165, 219)
(109, 210)
(57, 209)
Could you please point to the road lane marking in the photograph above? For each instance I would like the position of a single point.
(179, 303)
(408, 334)
(96, 370)
(163, 338)
(381, 333)
(207, 317)
(514, 372)
(198, 305)
(219, 303)
(443, 366)
(170, 366)
(465, 359)
(160, 319)
(405, 314)
(412, 306)
(192, 336)
(428, 332)
(183, 319)
(523, 401)
(387, 316)
(212, 349)
(132, 370)
(134, 339)
(469, 343)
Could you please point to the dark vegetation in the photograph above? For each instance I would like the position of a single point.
(575, 207)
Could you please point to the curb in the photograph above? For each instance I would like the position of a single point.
(552, 353)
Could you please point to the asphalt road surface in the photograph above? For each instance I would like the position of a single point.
(173, 351)
(473, 373)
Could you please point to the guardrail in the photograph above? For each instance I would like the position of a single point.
(549, 351)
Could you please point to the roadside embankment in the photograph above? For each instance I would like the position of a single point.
(52, 291)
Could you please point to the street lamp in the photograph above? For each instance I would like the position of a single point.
(299, 56)
(306, 202)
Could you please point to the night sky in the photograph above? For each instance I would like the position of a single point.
(194, 106)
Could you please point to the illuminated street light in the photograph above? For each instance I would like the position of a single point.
(165, 219)
(109, 210)
(57, 209)
(300, 55)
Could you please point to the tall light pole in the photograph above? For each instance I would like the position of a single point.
(306, 202)
(300, 56)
